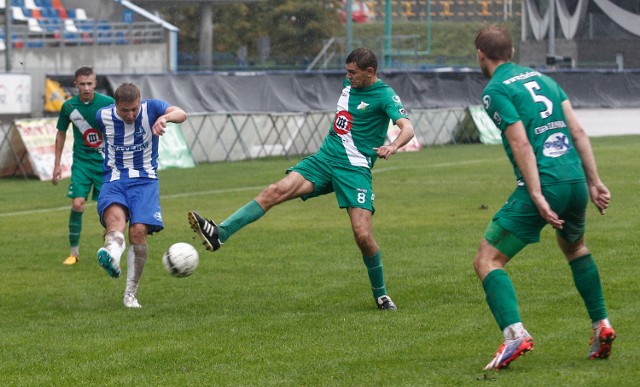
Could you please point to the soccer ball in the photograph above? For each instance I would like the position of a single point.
(180, 260)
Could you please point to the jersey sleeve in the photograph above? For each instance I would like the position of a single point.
(158, 107)
(63, 118)
(500, 108)
(99, 121)
(393, 105)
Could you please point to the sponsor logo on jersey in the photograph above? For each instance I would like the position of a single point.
(363, 105)
(342, 123)
(130, 148)
(521, 77)
(496, 118)
(402, 111)
(158, 216)
(92, 138)
(550, 126)
(556, 145)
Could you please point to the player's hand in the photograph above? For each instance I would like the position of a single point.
(160, 126)
(385, 151)
(600, 196)
(548, 214)
(57, 175)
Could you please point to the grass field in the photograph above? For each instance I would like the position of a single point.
(286, 301)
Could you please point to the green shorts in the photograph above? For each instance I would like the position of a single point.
(83, 177)
(352, 185)
(520, 216)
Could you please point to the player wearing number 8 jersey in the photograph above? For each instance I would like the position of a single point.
(556, 173)
(342, 165)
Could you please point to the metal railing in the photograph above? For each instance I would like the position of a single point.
(214, 137)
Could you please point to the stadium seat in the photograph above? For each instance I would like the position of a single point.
(81, 14)
(31, 4)
(62, 13)
(17, 14)
(70, 26)
(17, 3)
(39, 3)
(34, 26)
(35, 13)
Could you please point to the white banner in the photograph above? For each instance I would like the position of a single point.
(15, 93)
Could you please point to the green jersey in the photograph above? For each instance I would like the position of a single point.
(517, 93)
(88, 145)
(361, 124)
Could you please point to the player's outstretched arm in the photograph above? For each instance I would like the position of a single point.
(405, 135)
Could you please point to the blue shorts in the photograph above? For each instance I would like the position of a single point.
(140, 197)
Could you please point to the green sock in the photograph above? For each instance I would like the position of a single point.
(249, 213)
(75, 227)
(587, 280)
(376, 274)
(501, 297)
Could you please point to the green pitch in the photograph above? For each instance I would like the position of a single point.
(286, 301)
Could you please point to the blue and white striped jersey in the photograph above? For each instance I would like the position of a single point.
(131, 151)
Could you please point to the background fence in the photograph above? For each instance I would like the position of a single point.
(246, 136)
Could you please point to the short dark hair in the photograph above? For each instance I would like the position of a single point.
(363, 58)
(84, 71)
(495, 42)
(127, 92)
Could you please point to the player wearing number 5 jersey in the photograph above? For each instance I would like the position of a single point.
(86, 170)
(556, 173)
(342, 165)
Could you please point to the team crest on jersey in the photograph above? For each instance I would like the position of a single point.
(556, 145)
(92, 138)
(342, 123)
(396, 99)
(363, 105)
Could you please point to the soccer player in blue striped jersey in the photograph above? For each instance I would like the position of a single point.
(556, 174)
(130, 193)
(342, 166)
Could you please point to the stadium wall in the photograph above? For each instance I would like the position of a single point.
(246, 116)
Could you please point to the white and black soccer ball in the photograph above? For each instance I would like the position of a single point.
(180, 260)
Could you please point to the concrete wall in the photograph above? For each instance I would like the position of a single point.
(121, 59)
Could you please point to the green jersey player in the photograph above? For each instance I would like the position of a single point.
(556, 173)
(342, 165)
(86, 170)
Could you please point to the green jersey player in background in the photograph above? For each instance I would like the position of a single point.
(342, 165)
(86, 170)
(556, 173)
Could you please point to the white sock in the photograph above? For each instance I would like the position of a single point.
(115, 245)
(75, 251)
(131, 286)
(596, 324)
(514, 331)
